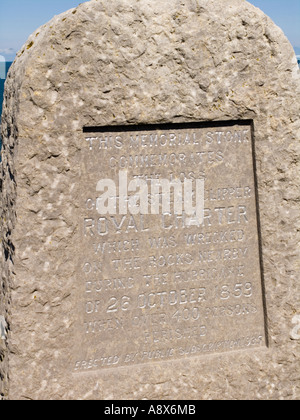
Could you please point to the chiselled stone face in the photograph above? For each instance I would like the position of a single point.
(149, 207)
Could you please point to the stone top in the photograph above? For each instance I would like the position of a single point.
(166, 60)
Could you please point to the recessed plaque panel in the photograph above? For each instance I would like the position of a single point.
(163, 286)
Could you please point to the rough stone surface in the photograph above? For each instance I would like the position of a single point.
(117, 63)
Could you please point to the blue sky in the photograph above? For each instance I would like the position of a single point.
(19, 18)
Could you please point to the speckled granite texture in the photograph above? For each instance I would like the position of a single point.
(140, 62)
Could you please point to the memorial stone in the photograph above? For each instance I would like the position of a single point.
(115, 106)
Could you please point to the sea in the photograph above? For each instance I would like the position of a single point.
(2, 81)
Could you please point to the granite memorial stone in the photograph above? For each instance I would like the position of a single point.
(109, 290)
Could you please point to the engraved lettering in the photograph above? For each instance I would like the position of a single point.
(166, 284)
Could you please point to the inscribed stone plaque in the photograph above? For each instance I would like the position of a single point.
(150, 287)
